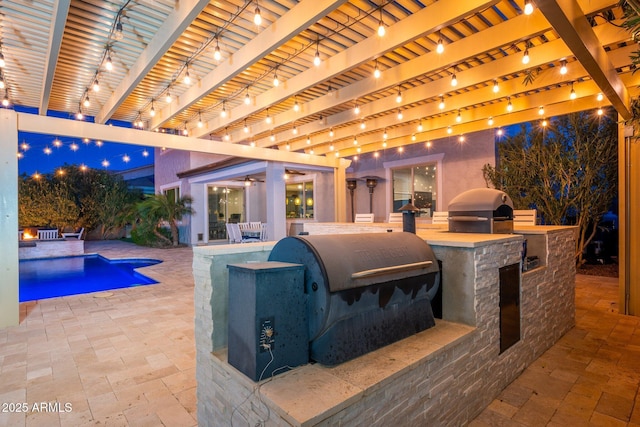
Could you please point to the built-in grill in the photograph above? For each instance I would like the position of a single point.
(481, 210)
(363, 291)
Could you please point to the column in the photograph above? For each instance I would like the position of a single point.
(276, 196)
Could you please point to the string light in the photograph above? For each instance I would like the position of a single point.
(217, 55)
(87, 101)
(381, 29)
(247, 98)
(331, 133)
(399, 96)
(600, 97)
(544, 123)
(458, 117)
(356, 110)
(500, 132)
(461, 138)
(96, 85)
(73, 146)
(5, 100)
(454, 79)
(152, 112)
(441, 105)
(126, 158)
(449, 130)
(47, 150)
(509, 105)
(296, 106)
(331, 147)
(496, 88)
(400, 116)
(440, 46)
(246, 128)
(187, 76)
(525, 57)
(413, 137)
(428, 144)
(268, 119)
(420, 128)
(572, 94)
(288, 147)
(528, 7)
(563, 68)
(276, 82)
(363, 125)
(376, 71)
(2, 83)
(168, 98)
(385, 135)
(600, 111)
(227, 137)
(119, 35)
(79, 114)
(294, 130)
(223, 113)
(308, 140)
(108, 64)
(316, 59)
(200, 124)
(257, 17)
(2, 61)
(490, 121)
(355, 140)
(105, 163)
(541, 110)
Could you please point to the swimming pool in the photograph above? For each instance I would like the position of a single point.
(57, 277)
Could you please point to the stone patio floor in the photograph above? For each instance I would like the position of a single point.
(127, 357)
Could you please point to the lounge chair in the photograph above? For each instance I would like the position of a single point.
(77, 235)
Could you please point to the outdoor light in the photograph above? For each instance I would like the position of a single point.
(461, 138)
(496, 88)
(384, 144)
(500, 132)
(376, 71)
(79, 114)
(217, 55)
(223, 113)
(268, 119)
(246, 128)
(2, 84)
(296, 106)
(168, 98)
(331, 147)
(295, 130)
(572, 94)
(525, 57)
(399, 96)
(428, 144)
(316, 58)
(152, 112)
(381, 30)
(420, 128)
(356, 110)
(454, 79)
(449, 130)
(384, 135)
(247, 98)
(331, 133)
(86, 101)
(311, 151)
(288, 146)
(490, 121)
(600, 111)
(118, 34)
(528, 7)
(355, 140)
(108, 64)
(563, 68)
(257, 18)
(272, 137)
(400, 149)
(441, 105)
(187, 77)
(440, 47)
(47, 150)
(541, 110)
(227, 137)
(458, 117)
(400, 116)
(200, 124)
(413, 137)
(363, 125)
(276, 82)
(247, 182)
(509, 105)
(600, 97)
(308, 140)
(96, 85)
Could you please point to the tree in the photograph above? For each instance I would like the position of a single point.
(159, 207)
(567, 171)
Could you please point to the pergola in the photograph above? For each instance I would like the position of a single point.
(309, 81)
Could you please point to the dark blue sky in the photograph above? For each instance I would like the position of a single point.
(76, 151)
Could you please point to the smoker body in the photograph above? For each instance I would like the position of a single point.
(481, 210)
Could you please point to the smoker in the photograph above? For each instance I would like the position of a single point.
(481, 210)
(363, 291)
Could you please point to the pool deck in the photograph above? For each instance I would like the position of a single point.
(127, 357)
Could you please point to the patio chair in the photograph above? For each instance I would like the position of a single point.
(47, 234)
(524, 217)
(364, 217)
(233, 232)
(77, 235)
(263, 232)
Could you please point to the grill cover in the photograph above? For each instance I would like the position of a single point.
(364, 290)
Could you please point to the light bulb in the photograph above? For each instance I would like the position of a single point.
(257, 18)
(296, 106)
(381, 30)
(363, 125)
(316, 59)
(152, 112)
(247, 99)
(217, 55)
(268, 119)
(600, 111)
(187, 78)
(500, 132)
(384, 144)
(400, 116)
(227, 137)
(528, 7)
(168, 98)
(246, 128)
(331, 133)
(413, 137)
(541, 110)
(272, 138)
(2, 84)
(118, 34)
(454, 80)
(2, 62)
(385, 135)
(308, 141)
(79, 114)
(355, 140)
(449, 130)
(109, 64)
(399, 97)
(96, 86)
(427, 144)
(420, 128)
(600, 97)
(185, 131)
(288, 146)
(490, 121)
(509, 106)
(458, 117)
(376, 71)
(572, 94)
(331, 147)
(200, 124)
(441, 105)
(496, 88)
(276, 82)
(223, 113)
(563, 68)
(544, 123)
(86, 102)
(440, 47)
(295, 130)
(357, 109)
(525, 57)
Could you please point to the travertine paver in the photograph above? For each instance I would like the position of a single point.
(121, 357)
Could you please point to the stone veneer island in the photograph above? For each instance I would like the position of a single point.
(445, 375)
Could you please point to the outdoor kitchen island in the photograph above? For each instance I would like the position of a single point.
(444, 375)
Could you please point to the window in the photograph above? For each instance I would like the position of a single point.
(172, 193)
(300, 202)
(225, 204)
(416, 185)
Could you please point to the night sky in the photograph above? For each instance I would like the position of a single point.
(76, 151)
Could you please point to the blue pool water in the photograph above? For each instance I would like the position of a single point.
(57, 277)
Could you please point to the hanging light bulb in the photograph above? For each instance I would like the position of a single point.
(119, 34)
(400, 116)
(331, 133)
(2, 83)
(500, 132)
(223, 113)
(200, 124)
(454, 79)
(272, 137)
(490, 121)
(428, 144)
(47, 150)
(528, 7)
(316, 59)
(308, 140)
(276, 82)
(440, 46)
(2, 61)
(449, 130)
(288, 146)
(331, 147)
(385, 135)
(384, 144)
(168, 98)
(420, 128)
(294, 130)
(152, 112)
(296, 106)
(600, 111)
(413, 136)
(600, 97)
(268, 119)
(87, 101)
(79, 114)
(5, 102)
(458, 117)
(496, 88)
(399, 96)
(461, 138)
(108, 64)
(247, 98)
(363, 125)
(355, 140)
(525, 57)
(572, 94)
(96, 85)
(376, 71)
(544, 123)
(541, 110)
(381, 29)
(563, 68)
(246, 128)
(185, 131)
(257, 18)
(187, 77)
(441, 105)
(105, 163)
(356, 110)
(217, 55)
(509, 105)
(227, 137)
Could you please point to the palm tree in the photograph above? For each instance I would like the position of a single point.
(159, 207)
